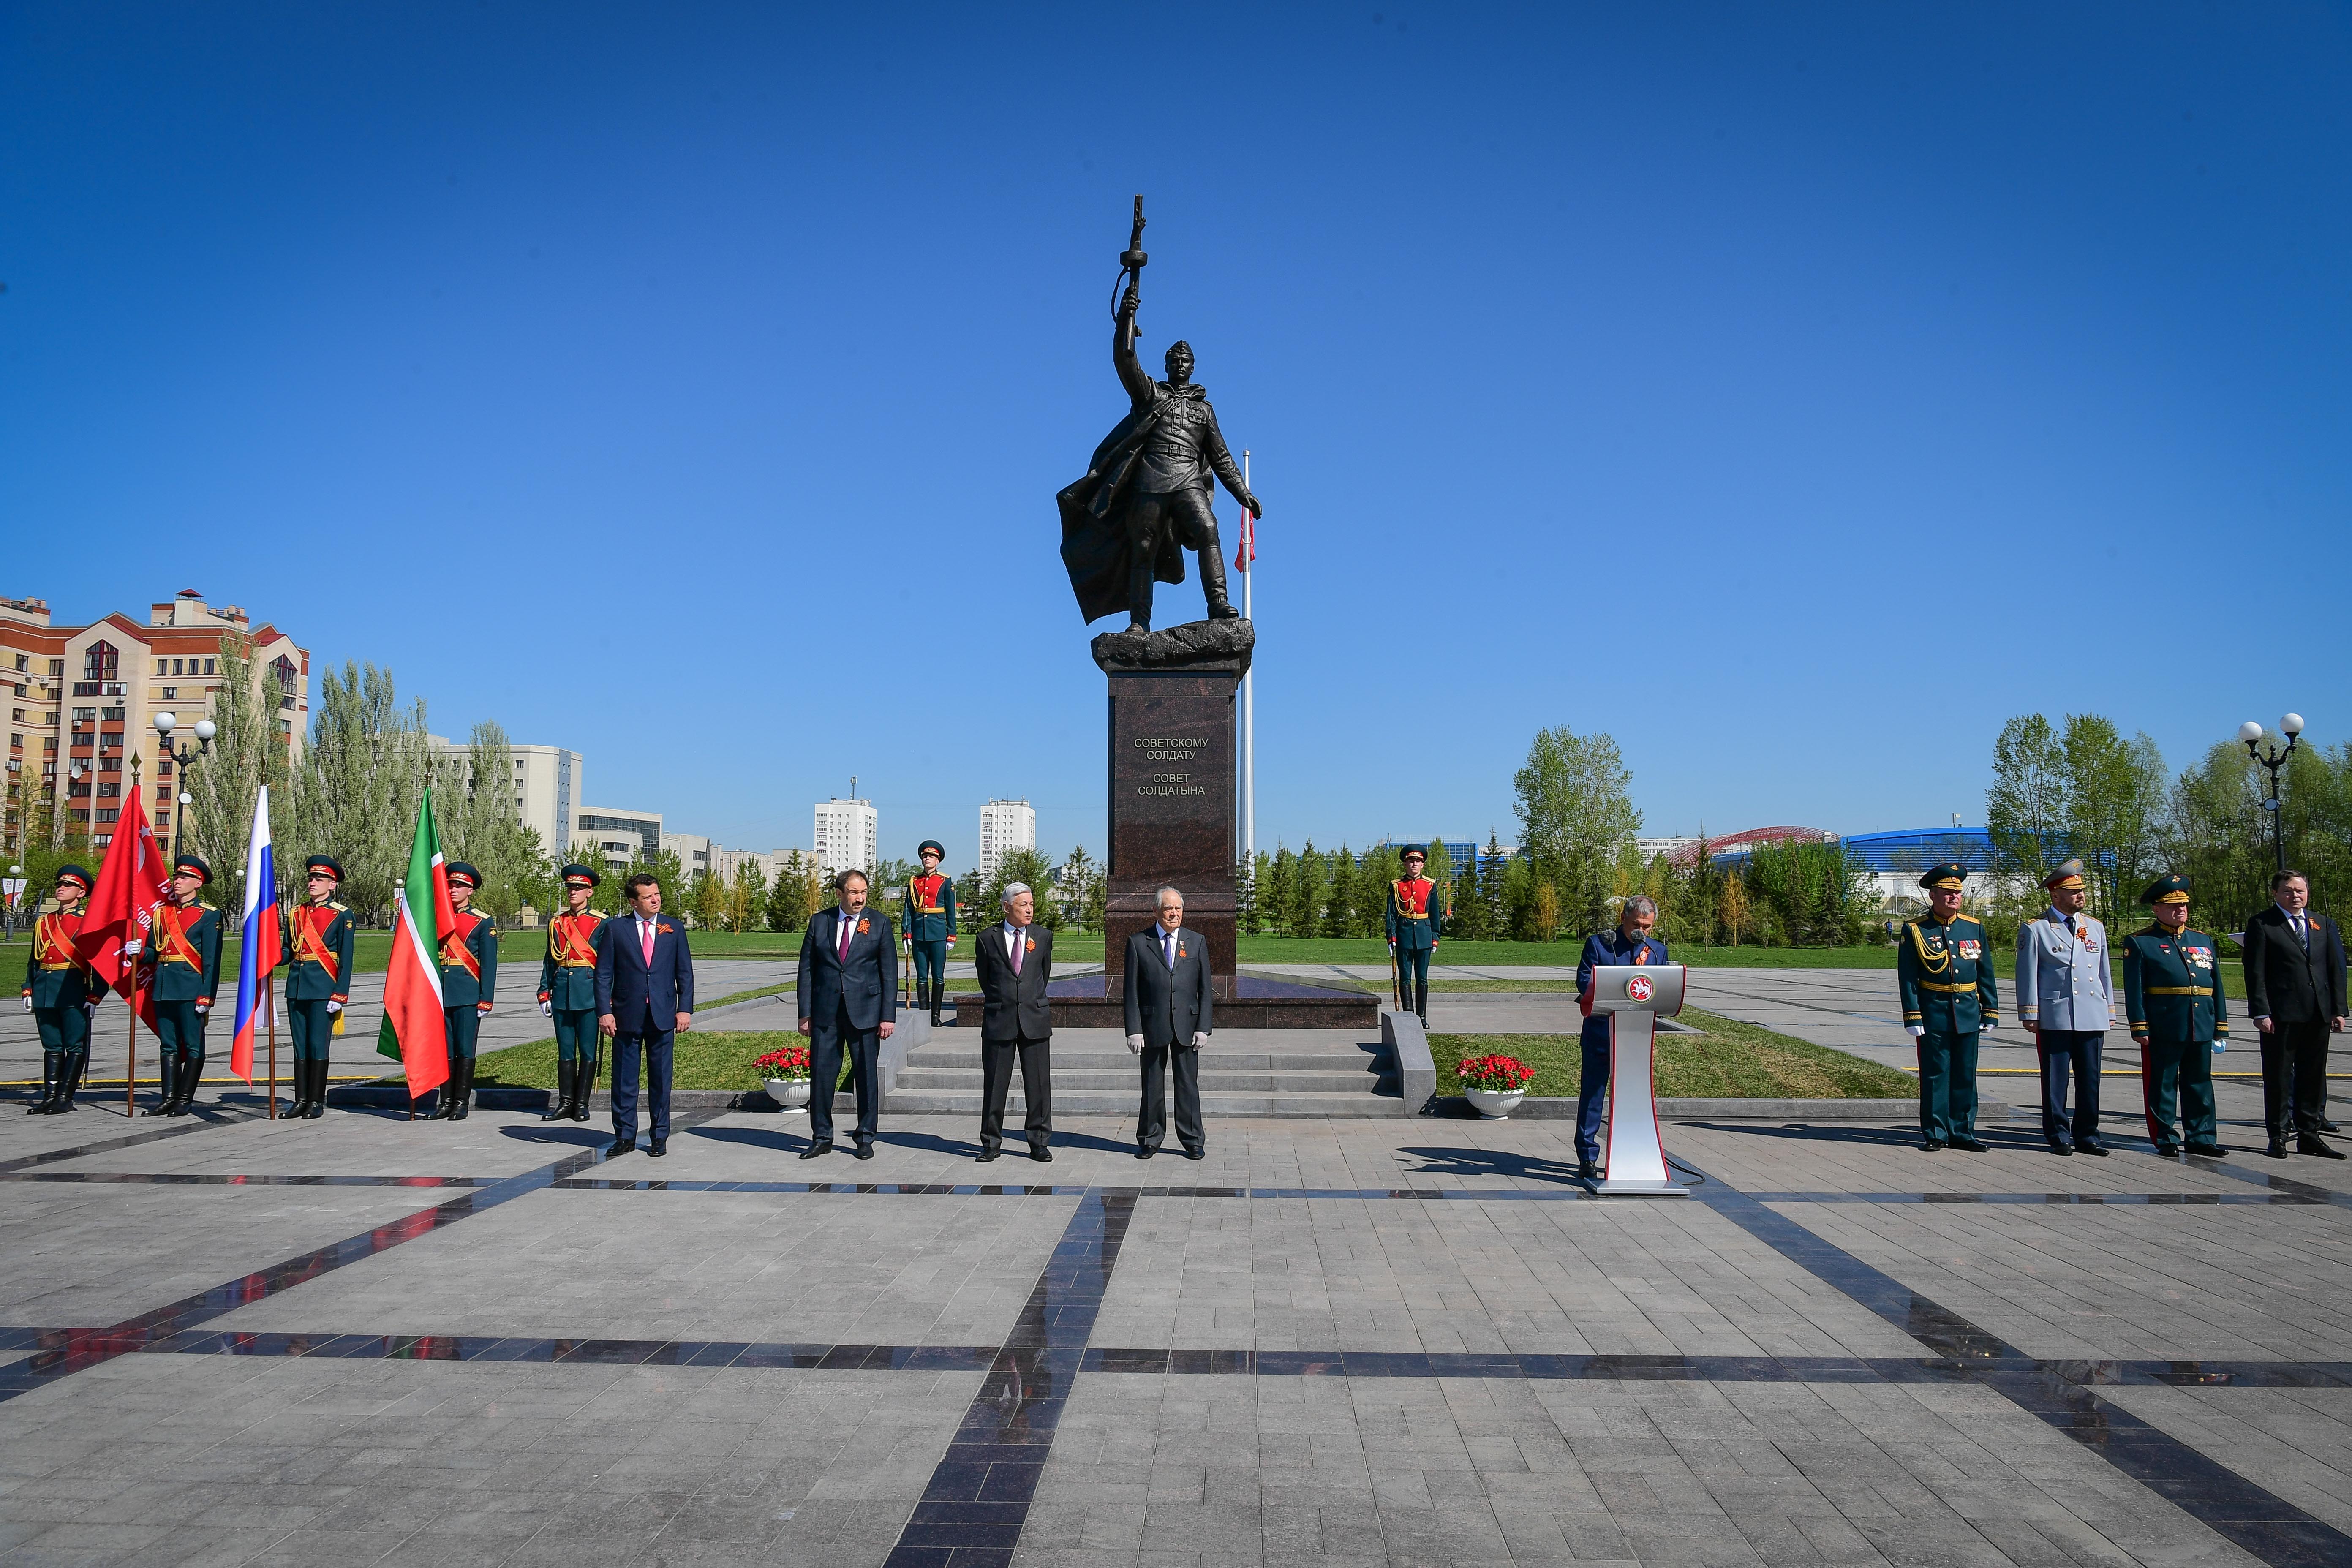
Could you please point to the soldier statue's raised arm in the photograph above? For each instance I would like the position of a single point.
(1146, 496)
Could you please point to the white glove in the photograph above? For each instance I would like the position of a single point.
(1135, 1045)
(1914, 1030)
(28, 1001)
(1198, 1039)
(131, 949)
(204, 1007)
(333, 1005)
(90, 1009)
(547, 1009)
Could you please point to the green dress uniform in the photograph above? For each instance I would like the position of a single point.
(186, 959)
(2174, 1006)
(319, 942)
(62, 992)
(1414, 921)
(927, 914)
(1945, 973)
(567, 995)
(469, 976)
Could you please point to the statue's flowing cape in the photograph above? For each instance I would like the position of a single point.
(1094, 519)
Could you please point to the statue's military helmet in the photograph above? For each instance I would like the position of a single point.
(1179, 347)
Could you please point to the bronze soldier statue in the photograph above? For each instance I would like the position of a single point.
(1145, 498)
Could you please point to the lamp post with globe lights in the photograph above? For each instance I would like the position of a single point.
(2272, 759)
(181, 758)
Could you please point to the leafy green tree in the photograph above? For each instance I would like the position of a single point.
(1575, 808)
(248, 751)
(1381, 870)
(788, 896)
(1280, 890)
(481, 825)
(1306, 893)
(747, 900)
(1816, 893)
(2114, 792)
(356, 793)
(1026, 866)
(1440, 869)
(1339, 910)
(1468, 904)
(2025, 809)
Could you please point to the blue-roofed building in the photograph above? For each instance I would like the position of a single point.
(1897, 859)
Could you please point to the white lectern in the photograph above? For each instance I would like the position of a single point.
(1633, 996)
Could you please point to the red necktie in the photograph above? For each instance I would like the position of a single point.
(646, 930)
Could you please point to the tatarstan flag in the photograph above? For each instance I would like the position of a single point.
(414, 1033)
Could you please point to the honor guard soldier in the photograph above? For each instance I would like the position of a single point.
(319, 934)
(2175, 1010)
(185, 974)
(567, 994)
(469, 975)
(61, 993)
(1416, 919)
(928, 919)
(1945, 976)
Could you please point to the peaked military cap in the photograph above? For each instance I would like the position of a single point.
(2169, 889)
(578, 876)
(191, 863)
(1413, 850)
(327, 863)
(1951, 874)
(2069, 875)
(934, 845)
(461, 872)
(76, 874)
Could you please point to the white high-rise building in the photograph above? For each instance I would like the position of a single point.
(1005, 825)
(547, 783)
(846, 833)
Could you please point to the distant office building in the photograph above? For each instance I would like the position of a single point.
(1669, 844)
(693, 852)
(546, 786)
(619, 835)
(846, 833)
(1004, 825)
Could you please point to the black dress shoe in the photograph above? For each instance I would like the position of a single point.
(2063, 1151)
(986, 1156)
(863, 1151)
(1039, 1152)
(2166, 1151)
(2310, 1143)
(821, 1146)
(1143, 1153)
(2088, 1147)
(1972, 1144)
(2209, 1151)
(1196, 1154)
(1588, 1170)
(2277, 1149)
(1930, 1145)
(2327, 1126)
(661, 1147)
(621, 1146)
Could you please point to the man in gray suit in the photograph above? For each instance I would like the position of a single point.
(848, 990)
(2065, 998)
(1168, 1021)
(1015, 959)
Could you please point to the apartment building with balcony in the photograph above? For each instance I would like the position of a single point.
(81, 699)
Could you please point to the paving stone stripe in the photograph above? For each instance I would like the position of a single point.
(225, 1179)
(203, 1121)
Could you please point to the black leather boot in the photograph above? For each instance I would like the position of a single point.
(192, 1074)
(938, 989)
(77, 1064)
(315, 1106)
(583, 1085)
(53, 1067)
(465, 1103)
(301, 1106)
(559, 1104)
(167, 1069)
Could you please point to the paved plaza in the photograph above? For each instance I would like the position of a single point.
(360, 1340)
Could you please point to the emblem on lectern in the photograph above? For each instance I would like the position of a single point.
(1639, 988)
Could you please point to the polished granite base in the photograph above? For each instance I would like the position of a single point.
(1083, 1002)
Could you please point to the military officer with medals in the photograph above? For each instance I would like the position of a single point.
(61, 993)
(567, 995)
(319, 940)
(2066, 998)
(928, 918)
(1415, 919)
(184, 975)
(2174, 1007)
(469, 975)
(1945, 976)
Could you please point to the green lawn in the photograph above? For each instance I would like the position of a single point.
(1731, 1060)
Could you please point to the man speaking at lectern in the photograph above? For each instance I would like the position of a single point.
(1629, 942)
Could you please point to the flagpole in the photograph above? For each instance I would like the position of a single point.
(1249, 695)
(131, 1047)
(270, 1007)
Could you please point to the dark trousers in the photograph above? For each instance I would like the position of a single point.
(575, 1034)
(996, 1059)
(180, 1033)
(313, 1028)
(931, 959)
(1151, 1120)
(1592, 1089)
(1413, 980)
(655, 1047)
(465, 1027)
(1183, 515)
(2294, 1063)
(2182, 1070)
(829, 1040)
(63, 1028)
(1948, 1086)
(2064, 1051)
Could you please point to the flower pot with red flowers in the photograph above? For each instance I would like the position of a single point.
(1494, 1084)
(786, 1073)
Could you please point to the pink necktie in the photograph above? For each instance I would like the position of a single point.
(842, 923)
(1016, 952)
(645, 932)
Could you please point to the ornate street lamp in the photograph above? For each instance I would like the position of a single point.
(165, 724)
(2272, 760)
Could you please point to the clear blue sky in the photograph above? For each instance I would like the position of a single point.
(1794, 392)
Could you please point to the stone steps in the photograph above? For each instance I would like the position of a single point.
(916, 1079)
(1122, 1102)
(1248, 1072)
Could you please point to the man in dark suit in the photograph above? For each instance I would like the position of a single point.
(1015, 959)
(848, 989)
(644, 999)
(1627, 942)
(2295, 994)
(1169, 1020)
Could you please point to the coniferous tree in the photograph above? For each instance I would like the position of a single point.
(1339, 908)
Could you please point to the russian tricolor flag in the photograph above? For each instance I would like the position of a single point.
(258, 954)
